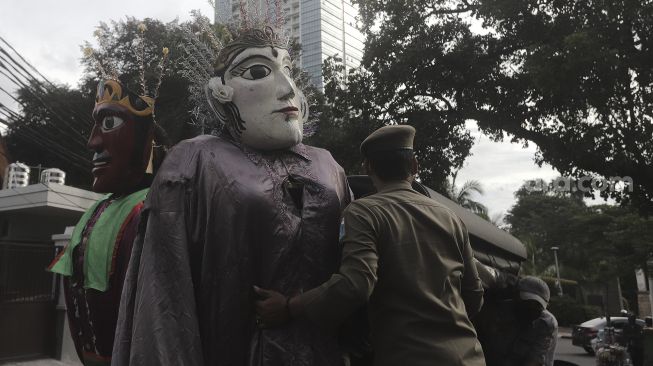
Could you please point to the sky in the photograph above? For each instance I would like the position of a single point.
(501, 167)
(48, 34)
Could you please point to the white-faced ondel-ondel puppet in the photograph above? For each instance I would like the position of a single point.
(252, 206)
(95, 261)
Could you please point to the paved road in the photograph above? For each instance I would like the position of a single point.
(566, 352)
(44, 362)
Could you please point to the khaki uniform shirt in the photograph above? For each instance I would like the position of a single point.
(411, 258)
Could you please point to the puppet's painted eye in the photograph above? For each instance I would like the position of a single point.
(111, 122)
(256, 72)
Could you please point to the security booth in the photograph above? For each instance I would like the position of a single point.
(493, 247)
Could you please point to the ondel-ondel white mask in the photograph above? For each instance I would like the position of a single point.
(259, 83)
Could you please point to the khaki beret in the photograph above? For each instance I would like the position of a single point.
(389, 138)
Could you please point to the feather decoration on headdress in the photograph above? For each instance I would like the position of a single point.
(140, 56)
(100, 58)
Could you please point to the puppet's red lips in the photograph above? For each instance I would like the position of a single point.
(289, 110)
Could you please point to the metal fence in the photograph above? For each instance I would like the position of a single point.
(23, 275)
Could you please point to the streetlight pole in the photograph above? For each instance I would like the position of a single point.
(649, 267)
(555, 256)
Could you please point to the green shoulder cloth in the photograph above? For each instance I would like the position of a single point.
(101, 242)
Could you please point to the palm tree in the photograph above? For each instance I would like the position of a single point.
(528, 267)
(463, 195)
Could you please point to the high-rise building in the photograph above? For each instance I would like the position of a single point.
(324, 28)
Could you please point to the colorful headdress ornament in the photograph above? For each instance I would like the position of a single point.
(110, 90)
(206, 52)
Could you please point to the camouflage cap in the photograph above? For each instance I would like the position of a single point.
(533, 288)
(389, 138)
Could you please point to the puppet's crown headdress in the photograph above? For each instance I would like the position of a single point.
(111, 91)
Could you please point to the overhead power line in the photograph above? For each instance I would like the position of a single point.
(68, 141)
(36, 80)
(26, 62)
(30, 135)
(25, 85)
(46, 134)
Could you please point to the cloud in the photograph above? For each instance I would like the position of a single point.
(48, 33)
(501, 167)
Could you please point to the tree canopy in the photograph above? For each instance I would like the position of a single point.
(595, 242)
(353, 108)
(575, 78)
(118, 42)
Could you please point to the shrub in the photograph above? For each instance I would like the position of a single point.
(569, 311)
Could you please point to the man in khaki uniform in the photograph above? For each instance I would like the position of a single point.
(409, 257)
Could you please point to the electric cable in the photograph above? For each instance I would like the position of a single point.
(37, 89)
(30, 77)
(65, 154)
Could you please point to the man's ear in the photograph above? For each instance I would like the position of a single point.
(414, 166)
(366, 166)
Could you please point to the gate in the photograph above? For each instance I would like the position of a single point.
(27, 295)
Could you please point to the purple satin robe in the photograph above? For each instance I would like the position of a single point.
(218, 220)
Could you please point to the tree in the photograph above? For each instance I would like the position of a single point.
(353, 109)
(119, 43)
(575, 78)
(596, 242)
(544, 220)
(528, 267)
(463, 196)
(344, 121)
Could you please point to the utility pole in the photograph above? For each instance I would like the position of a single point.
(558, 283)
(649, 268)
(38, 176)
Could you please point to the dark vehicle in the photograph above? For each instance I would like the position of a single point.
(582, 335)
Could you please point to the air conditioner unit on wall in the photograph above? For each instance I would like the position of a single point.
(16, 175)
